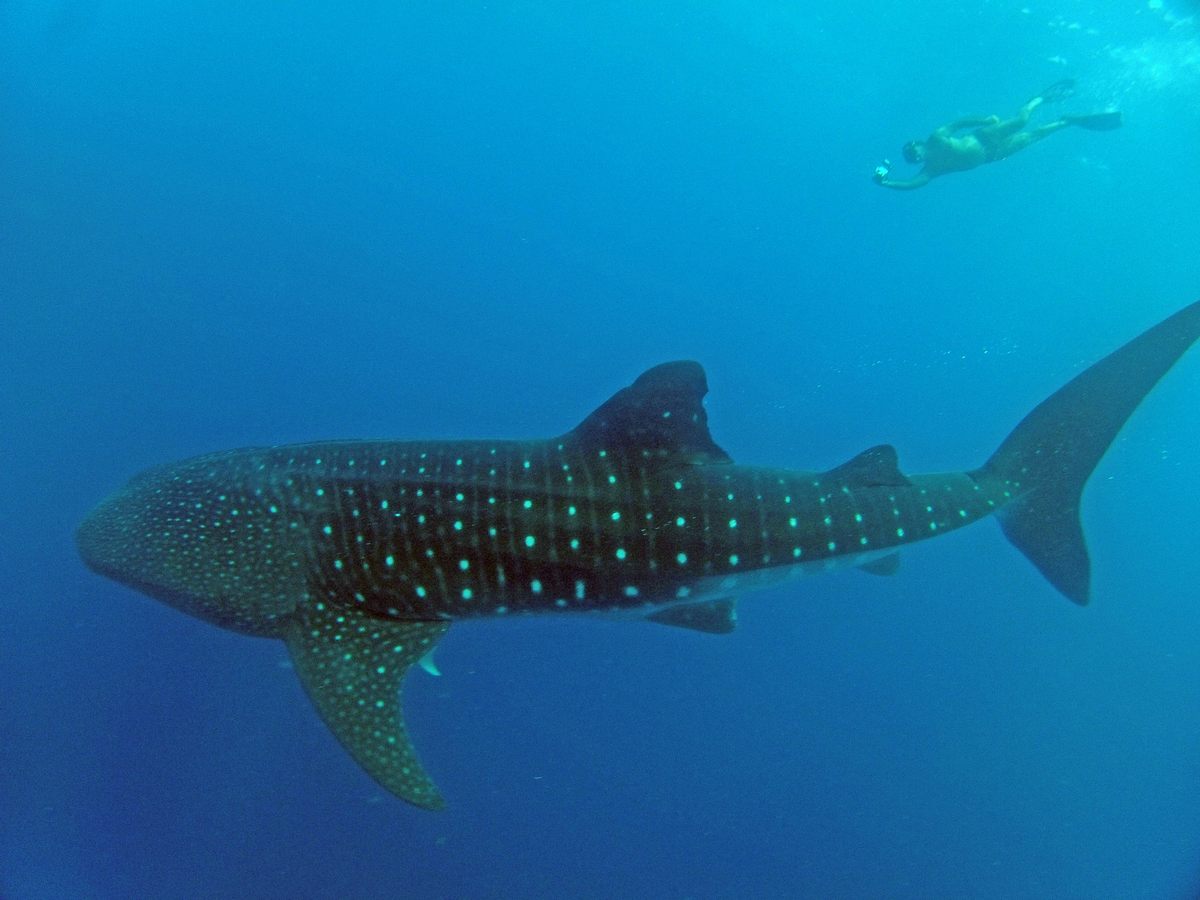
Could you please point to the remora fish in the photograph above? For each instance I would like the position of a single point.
(358, 554)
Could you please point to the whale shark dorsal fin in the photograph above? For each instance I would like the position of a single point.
(712, 617)
(353, 666)
(876, 467)
(660, 416)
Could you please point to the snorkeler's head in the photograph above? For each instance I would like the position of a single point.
(914, 151)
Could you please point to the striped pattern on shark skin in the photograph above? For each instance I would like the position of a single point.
(358, 553)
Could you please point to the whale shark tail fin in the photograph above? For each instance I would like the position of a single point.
(1047, 459)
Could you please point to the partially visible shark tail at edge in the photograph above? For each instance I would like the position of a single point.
(1050, 455)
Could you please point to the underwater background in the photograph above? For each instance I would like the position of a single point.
(255, 223)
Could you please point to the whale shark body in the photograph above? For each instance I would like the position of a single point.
(360, 554)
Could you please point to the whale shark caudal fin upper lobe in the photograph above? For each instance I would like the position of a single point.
(353, 667)
(1049, 456)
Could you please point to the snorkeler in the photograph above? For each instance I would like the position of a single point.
(990, 141)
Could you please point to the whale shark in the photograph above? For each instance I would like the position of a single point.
(359, 555)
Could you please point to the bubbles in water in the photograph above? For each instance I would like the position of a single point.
(1166, 60)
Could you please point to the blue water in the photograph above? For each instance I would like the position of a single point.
(236, 224)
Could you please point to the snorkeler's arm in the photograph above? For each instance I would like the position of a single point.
(921, 179)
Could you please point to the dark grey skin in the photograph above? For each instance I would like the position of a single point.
(359, 555)
(990, 140)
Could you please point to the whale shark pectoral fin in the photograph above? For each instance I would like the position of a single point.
(712, 617)
(353, 667)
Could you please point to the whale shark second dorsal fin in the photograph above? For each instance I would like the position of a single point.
(875, 467)
(661, 416)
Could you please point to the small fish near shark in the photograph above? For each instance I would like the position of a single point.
(359, 555)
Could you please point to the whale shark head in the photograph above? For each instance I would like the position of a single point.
(173, 533)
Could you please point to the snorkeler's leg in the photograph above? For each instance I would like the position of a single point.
(1001, 129)
(1060, 90)
(1022, 139)
(1048, 129)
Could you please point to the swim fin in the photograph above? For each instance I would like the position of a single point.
(1060, 90)
(1105, 121)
